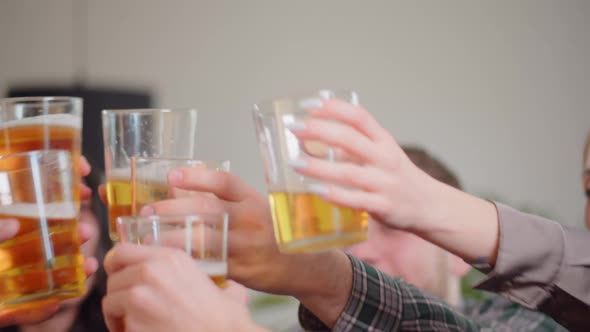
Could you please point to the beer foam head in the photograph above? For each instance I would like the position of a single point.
(142, 175)
(63, 120)
(123, 174)
(56, 210)
(153, 173)
(213, 268)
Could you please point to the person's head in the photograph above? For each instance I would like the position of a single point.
(402, 254)
(586, 179)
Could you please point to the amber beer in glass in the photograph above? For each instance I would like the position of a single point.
(145, 133)
(42, 262)
(303, 221)
(42, 123)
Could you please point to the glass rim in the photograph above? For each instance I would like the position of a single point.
(301, 95)
(147, 110)
(196, 161)
(195, 217)
(40, 100)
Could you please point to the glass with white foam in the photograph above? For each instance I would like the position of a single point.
(132, 133)
(42, 123)
(40, 264)
(201, 236)
(149, 178)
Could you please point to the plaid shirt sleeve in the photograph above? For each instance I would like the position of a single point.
(499, 313)
(382, 303)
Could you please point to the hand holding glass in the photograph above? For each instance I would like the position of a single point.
(143, 133)
(303, 221)
(42, 262)
(149, 178)
(203, 237)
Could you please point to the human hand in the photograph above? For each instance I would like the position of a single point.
(85, 169)
(158, 289)
(321, 281)
(253, 256)
(385, 183)
(376, 175)
(27, 315)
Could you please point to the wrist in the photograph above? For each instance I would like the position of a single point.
(451, 218)
(321, 281)
(326, 286)
(426, 203)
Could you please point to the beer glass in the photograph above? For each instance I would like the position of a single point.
(303, 221)
(149, 178)
(42, 123)
(42, 262)
(145, 133)
(202, 236)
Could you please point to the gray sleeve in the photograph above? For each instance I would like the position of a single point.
(536, 257)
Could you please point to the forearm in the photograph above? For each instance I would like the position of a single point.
(322, 282)
(536, 262)
(465, 225)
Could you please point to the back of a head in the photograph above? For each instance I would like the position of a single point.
(431, 166)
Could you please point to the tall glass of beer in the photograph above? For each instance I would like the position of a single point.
(42, 262)
(303, 221)
(146, 133)
(202, 236)
(42, 123)
(149, 178)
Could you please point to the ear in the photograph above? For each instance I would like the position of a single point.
(458, 266)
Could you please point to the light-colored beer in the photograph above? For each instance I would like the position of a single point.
(216, 270)
(146, 192)
(119, 202)
(305, 222)
(31, 271)
(124, 199)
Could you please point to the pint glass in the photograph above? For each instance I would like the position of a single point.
(303, 221)
(144, 133)
(42, 123)
(42, 262)
(202, 236)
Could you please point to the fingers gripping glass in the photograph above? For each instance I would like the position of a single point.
(203, 237)
(303, 221)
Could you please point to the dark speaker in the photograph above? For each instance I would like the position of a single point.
(95, 100)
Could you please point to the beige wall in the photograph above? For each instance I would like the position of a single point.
(498, 89)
